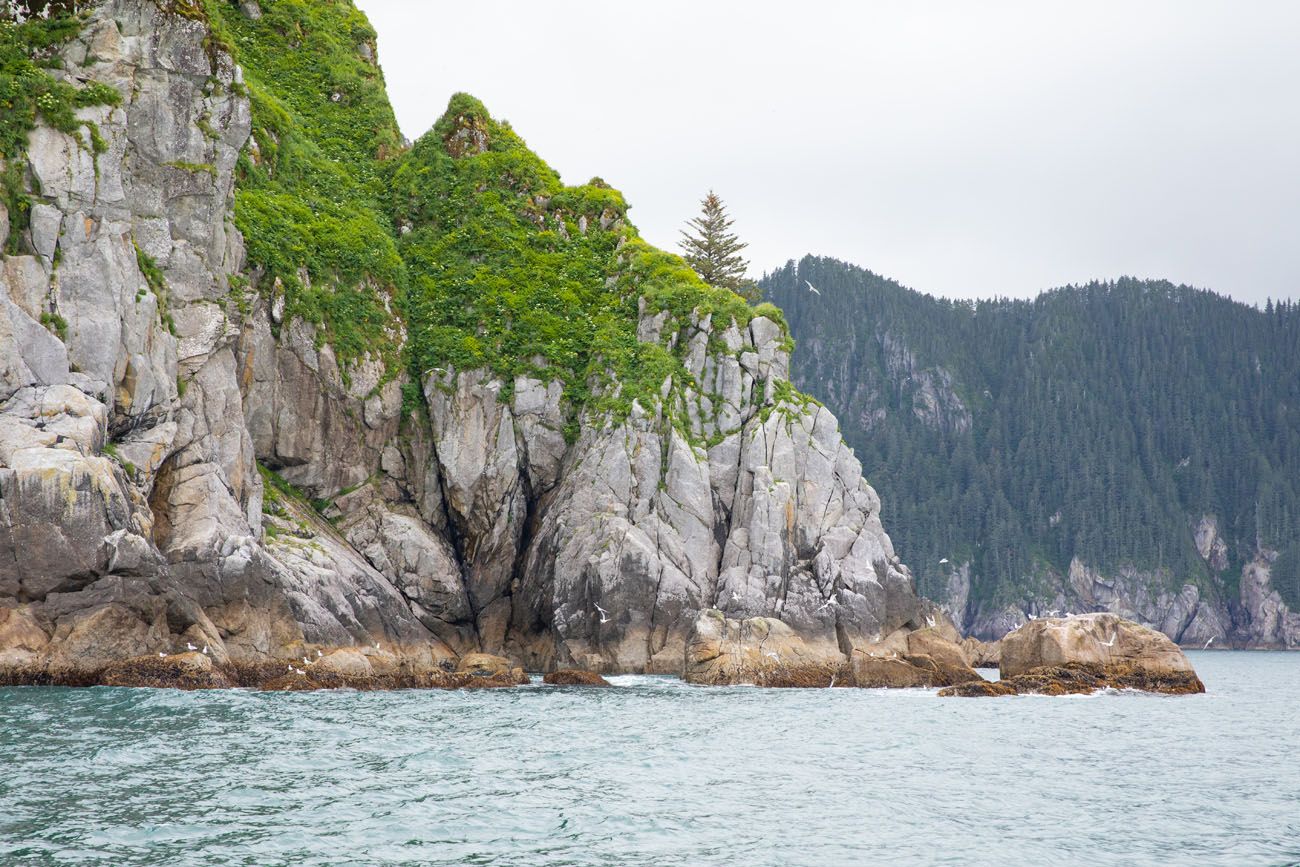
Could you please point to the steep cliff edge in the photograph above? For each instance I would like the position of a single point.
(274, 382)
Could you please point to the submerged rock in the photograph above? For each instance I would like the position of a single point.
(177, 671)
(574, 677)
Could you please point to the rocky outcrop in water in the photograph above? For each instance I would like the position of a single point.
(767, 652)
(390, 541)
(1059, 656)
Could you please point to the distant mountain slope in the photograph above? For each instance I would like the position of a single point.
(1132, 445)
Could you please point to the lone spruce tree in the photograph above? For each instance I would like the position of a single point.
(714, 251)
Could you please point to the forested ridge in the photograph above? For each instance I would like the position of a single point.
(1100, 422)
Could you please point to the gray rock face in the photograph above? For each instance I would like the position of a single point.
(134, 519)
(1257, 618)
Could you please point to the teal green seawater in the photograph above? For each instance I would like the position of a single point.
(656, 772)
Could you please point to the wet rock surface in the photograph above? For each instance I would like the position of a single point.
(1082, 654)
(574, 677)
(766, 652)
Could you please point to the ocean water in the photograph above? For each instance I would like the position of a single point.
(656, 772)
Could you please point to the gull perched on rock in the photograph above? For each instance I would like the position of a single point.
(205, 650)
(189, 646)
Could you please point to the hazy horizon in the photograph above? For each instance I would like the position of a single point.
(964, 151)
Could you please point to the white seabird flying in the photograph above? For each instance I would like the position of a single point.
(813, 289)
(603, 613)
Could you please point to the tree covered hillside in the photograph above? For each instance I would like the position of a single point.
(1097, 422)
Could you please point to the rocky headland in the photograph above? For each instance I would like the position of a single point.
(335, 410)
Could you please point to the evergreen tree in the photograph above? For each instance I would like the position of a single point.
(714, 251)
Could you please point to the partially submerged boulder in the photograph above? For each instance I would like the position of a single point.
(1102, 639)
(917, 658)
(759, 650)
(1072, 655)
(178, 671)
(767, 652)
(483, 665)
(347, 661)
(574, 677)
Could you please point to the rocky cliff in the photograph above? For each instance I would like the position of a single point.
(274, 381)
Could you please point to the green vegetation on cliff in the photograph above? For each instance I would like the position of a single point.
(310, 193)
(1099, 422)
(468, 239)
(512, 270)
(29, 92)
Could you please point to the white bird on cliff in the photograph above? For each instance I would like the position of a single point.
(929, 621)
(162, 656)
(318, 653)
(1054, 612)
(603, 612)
(205, 650)
(813, 289)
(1111, 642)
(189, 646)
(1208, 643)
(1031, 616)
(735, 597)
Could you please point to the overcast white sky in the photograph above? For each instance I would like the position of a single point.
(967, 149)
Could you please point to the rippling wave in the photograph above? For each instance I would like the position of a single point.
(656, 772)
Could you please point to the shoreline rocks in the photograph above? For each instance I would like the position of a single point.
(574, 677)
(1085, 653)
(766, 652)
